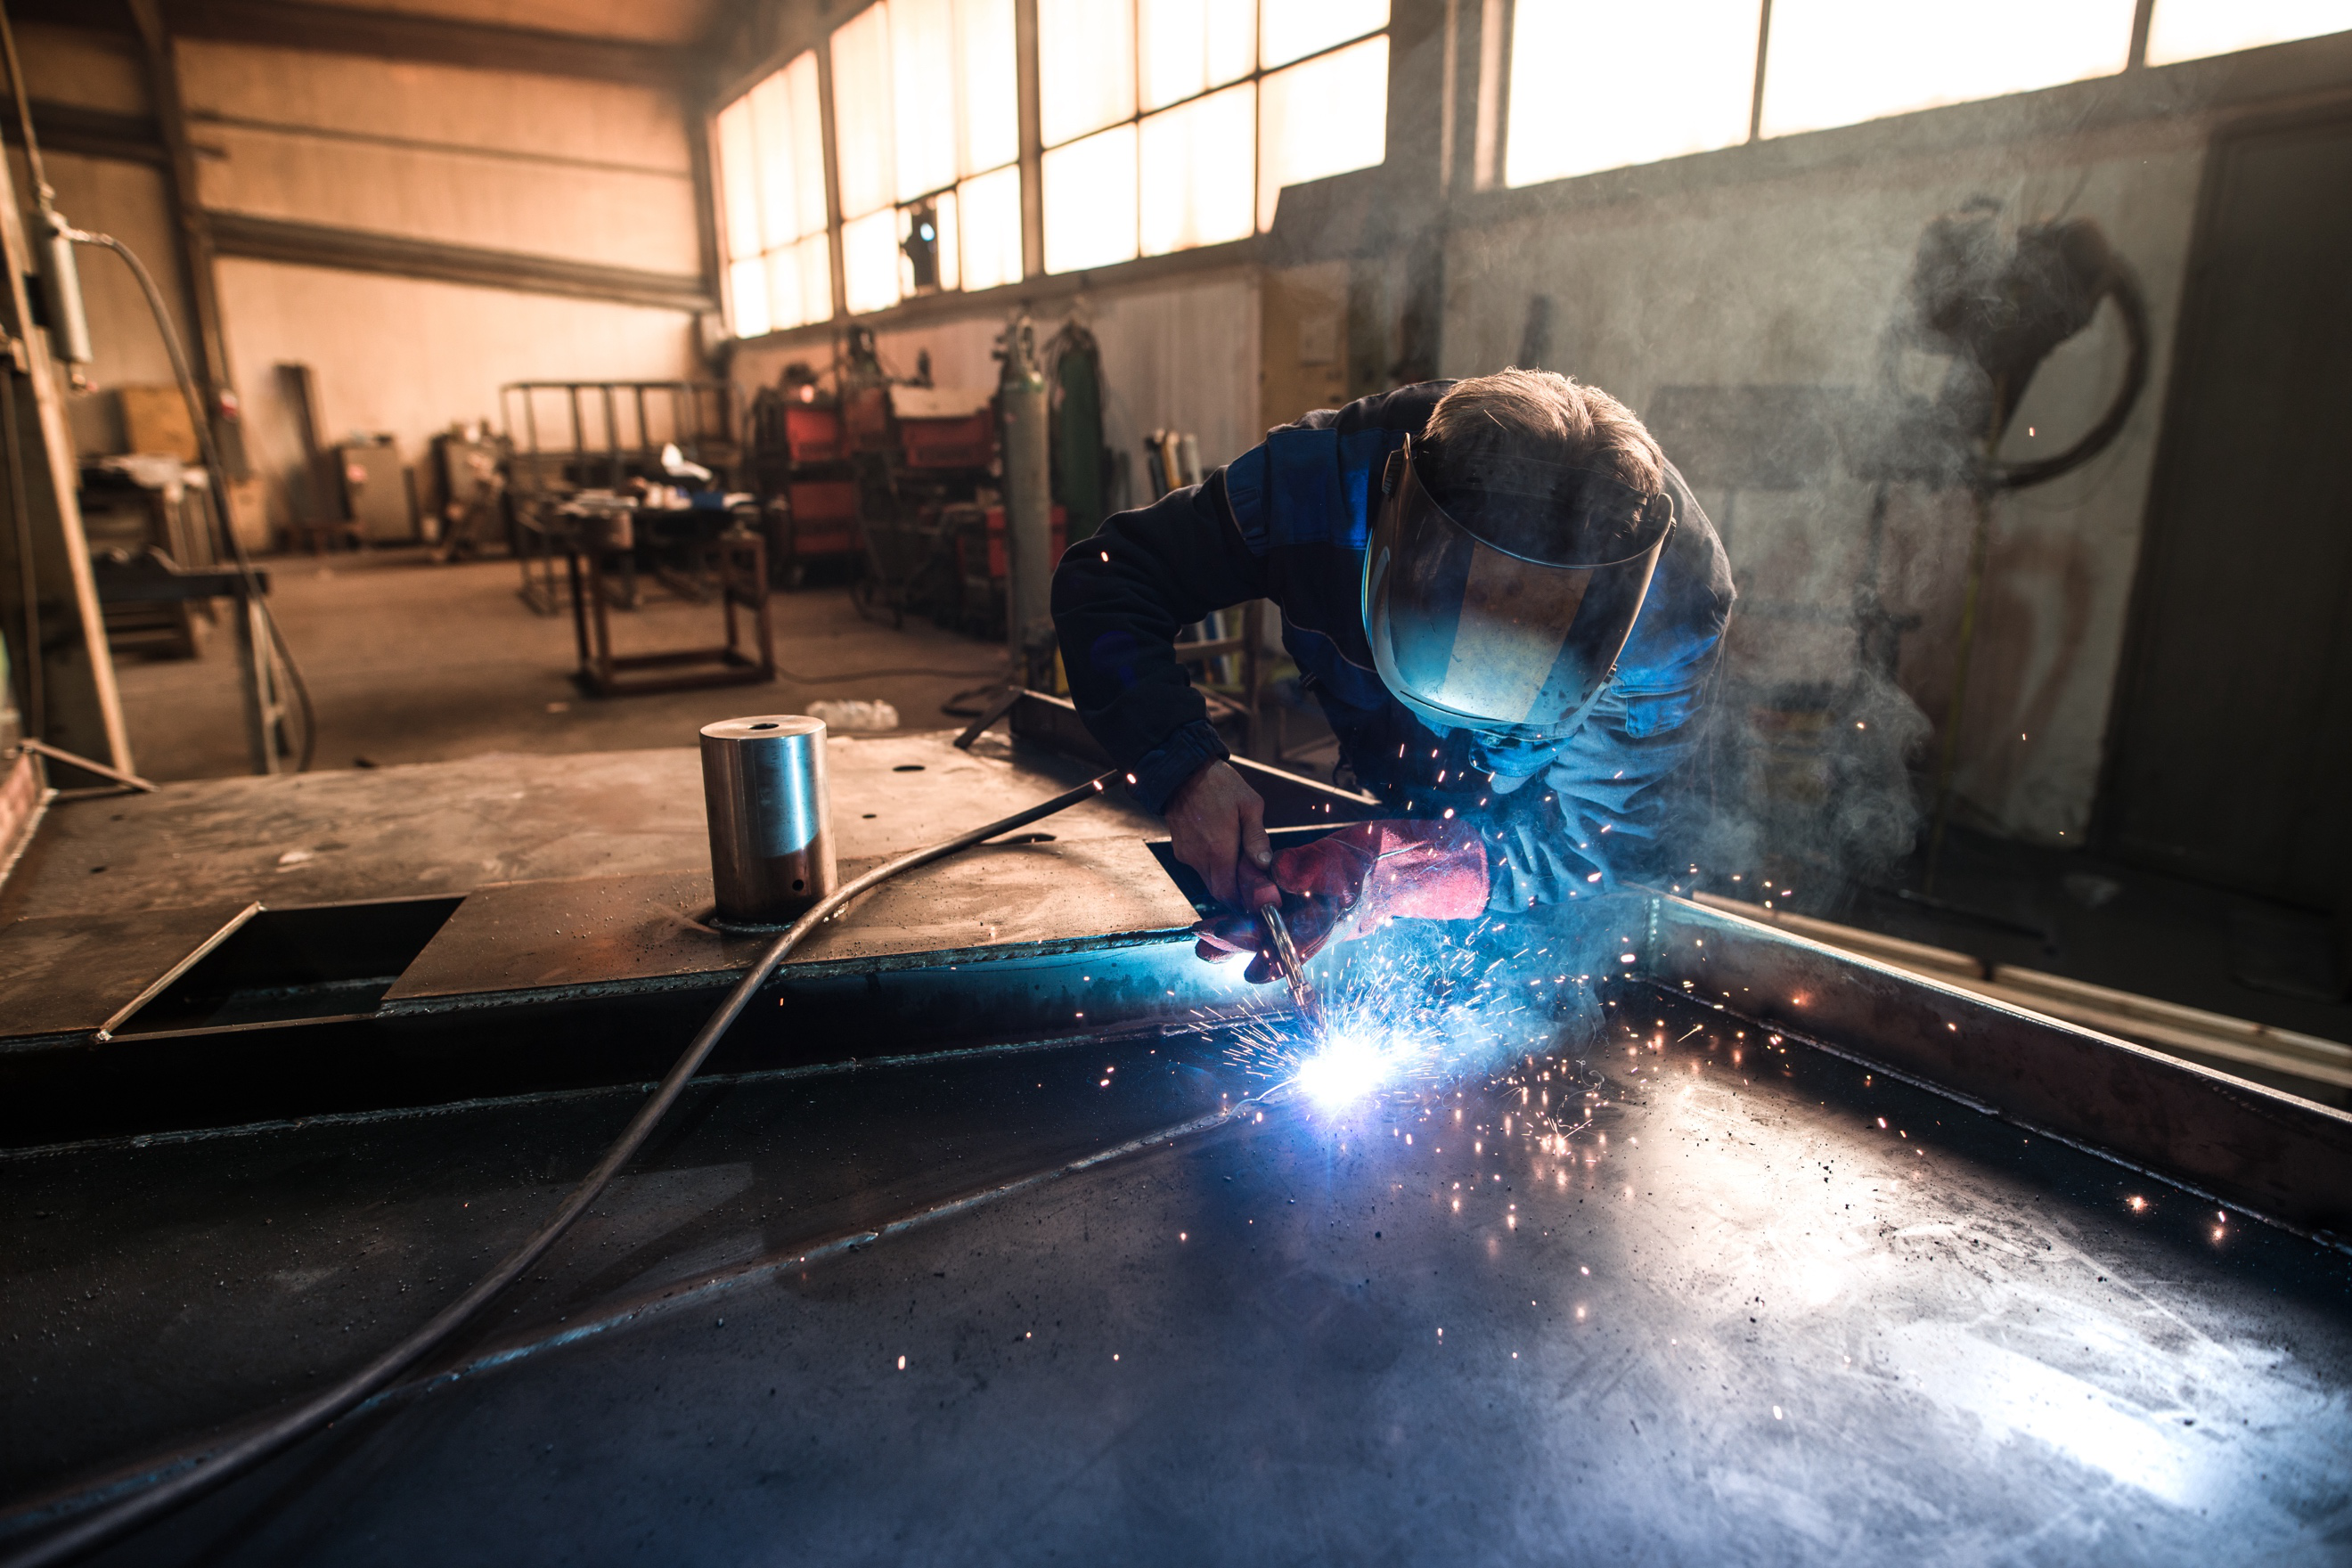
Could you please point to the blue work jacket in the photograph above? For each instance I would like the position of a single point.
(1287, 521)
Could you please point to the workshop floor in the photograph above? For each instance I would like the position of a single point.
(411, 662)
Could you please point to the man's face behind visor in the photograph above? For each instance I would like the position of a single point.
(1507, 620)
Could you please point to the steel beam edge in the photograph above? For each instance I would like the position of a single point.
(2275, 1155)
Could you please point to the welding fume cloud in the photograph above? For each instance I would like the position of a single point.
(1510, 608)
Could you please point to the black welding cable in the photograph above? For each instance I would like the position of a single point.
(219, 472)
(177, 1492)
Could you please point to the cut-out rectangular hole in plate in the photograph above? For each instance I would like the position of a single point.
(323, 960)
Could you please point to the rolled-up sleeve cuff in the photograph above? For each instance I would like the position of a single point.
(1161, 772)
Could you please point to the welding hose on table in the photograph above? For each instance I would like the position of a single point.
(177, 1492)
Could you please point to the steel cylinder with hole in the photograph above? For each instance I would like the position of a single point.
(763, 786)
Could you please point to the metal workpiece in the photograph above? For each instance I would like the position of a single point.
(1676, 1296)
(770, 815)
(117, 1020)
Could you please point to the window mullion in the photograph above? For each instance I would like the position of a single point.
(1033, 189)
(829, 140)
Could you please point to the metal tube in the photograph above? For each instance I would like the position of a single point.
(763, 786)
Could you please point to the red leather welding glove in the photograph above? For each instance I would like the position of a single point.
(1350, 883)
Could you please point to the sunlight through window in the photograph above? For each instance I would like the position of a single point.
(869, 261)
(1585, 94)
(1090, 202)
(1191, 46)
(989, 209)
(1197, 165)
(1293, 30)
(1837, 62)
(2190, 29)
(769, 149)
(1086, 67)
(1322, 118)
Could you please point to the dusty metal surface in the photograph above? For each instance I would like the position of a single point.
(610, 931)
(590, 969)
(1763, 1305)
(69, 974)
(1781, 1305)
(448, 828)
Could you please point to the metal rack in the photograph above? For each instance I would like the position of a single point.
(575, 436)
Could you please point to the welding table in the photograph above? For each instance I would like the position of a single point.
(1827, 1263)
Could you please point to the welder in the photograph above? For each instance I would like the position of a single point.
(1509, 607)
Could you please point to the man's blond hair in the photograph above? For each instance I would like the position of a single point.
(1541, 414)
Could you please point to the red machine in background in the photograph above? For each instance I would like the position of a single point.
(897, 481)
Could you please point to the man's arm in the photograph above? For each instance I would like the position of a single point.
(1597, 812)
(1118, 601)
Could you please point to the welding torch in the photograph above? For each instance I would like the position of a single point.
(1282, 951)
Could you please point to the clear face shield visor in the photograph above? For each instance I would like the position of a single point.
(1505, 614)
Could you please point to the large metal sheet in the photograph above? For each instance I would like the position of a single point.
(1763, 1305)
(448, 828)
(67, 974)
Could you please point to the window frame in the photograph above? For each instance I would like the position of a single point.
(1254, 79)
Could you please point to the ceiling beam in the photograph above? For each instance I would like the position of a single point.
(91, 133)
(358, 250)
(388, 35)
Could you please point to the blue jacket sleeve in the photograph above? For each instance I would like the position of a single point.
(1118, 601)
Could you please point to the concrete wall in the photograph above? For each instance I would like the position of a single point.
(581, 171)
(577, 171)
(1792, 277)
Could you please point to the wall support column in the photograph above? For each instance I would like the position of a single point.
(209, 349)
(76, 704)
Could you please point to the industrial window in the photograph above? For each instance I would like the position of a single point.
(1834, 62)
(1169, 124)
(1587, 94)
(926, 136)
(2189, 29)
(771, 147)
(1584, 94)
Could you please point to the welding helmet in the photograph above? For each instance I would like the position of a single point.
(1500, 604)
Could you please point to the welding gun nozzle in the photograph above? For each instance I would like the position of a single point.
(1284, 951)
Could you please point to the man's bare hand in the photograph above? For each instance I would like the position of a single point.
(1216, 825)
